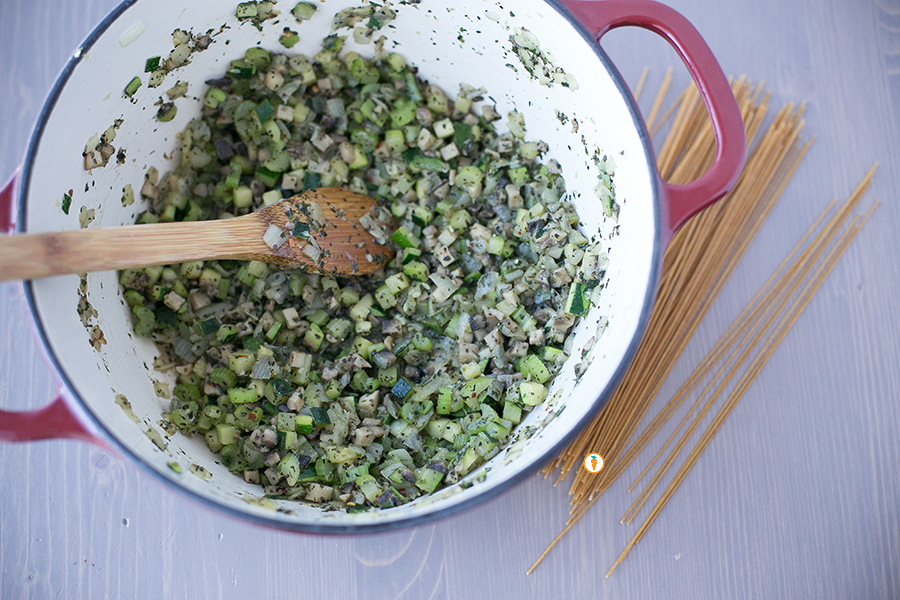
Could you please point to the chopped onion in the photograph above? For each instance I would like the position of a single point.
(262, 368)
(277, 293)
(445, 287)
(316, 214)
(213, 310)
(92, 143)
(274, 237)
(335, 107)
(312, 251)
(131, 34)
(182, 348)
(374, 228)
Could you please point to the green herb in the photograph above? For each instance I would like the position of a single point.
(301, 230)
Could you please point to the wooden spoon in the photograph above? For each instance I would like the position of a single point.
(318, 231)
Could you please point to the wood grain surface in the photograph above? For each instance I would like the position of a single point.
(798, 496)
(343, 247)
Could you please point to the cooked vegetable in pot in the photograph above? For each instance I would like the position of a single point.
(369, 391)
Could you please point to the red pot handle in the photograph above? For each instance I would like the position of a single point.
(7, 203)
(684, 201)
(56, 419)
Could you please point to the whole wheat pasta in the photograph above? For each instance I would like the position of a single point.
(697, 263)
(783, 302)
(688, 275)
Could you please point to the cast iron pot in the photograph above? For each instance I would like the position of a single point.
(451, 42)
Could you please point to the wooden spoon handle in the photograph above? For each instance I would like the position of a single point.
(32, 256)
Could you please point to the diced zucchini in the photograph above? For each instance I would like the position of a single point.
(531, 365)
(532, 393)
(314, 336)
(303, 11)
(577, 303)
(226, 434)
(404, 238)
(401, 389)
(243, 395)
(428, 478)
(475, 390)
(512, 412)
(304, 424)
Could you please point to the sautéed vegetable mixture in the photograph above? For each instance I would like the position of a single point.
(369, 391)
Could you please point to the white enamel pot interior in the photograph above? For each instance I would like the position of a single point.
(451, 42)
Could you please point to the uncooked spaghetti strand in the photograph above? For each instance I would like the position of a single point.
(649, 337)
(781, 293)
(702, 146)
(573, 461)
(750, 230)
(717, 387)
(738, 250)
(803, 300)
(809, 259)
(715, 354)
(640, 84)
(667, 80)
(801, 303)
(669, 153)
(752, 373)
(723, 228)
(568, 526)
(665, 116)
(774, 339)
(668, 115)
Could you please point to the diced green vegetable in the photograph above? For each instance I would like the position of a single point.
(304, 424)
(243, 395)
(577, 303)
(132, 86)
(535, 368)
(166, 112)
(303, 11)
(289, 38)
(532, 393)
(404, 238)
(319, 416)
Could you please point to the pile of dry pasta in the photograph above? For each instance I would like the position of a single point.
(698, 262)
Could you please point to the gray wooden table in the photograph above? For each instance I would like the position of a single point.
(798, 497)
